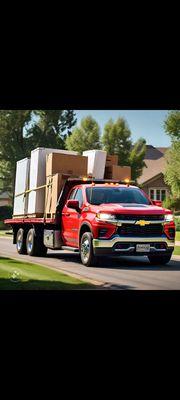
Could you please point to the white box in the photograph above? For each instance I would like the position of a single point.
(38, 177)
(96, 162)
(21, 185)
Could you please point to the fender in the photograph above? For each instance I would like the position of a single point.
(85, 223)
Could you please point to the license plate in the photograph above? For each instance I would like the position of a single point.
(143, 248)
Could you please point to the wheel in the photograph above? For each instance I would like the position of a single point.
(161, 259)
(86, 250)
(21, 241)
(34, 244)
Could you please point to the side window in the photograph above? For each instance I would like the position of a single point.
(71, 197)
(79, 196)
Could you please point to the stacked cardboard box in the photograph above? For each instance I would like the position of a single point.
(111, 160)
(66, 164)
(59, 167)
(54, 185)
(117, 172)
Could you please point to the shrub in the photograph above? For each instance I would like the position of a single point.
(5, 212)
(172, 203)
(177, 223)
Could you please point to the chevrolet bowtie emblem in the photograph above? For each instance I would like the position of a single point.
(141, 222)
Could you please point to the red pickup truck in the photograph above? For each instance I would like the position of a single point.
(99, 218)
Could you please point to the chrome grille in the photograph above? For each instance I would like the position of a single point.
(135, 217)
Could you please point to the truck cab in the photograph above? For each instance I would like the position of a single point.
(116, 219)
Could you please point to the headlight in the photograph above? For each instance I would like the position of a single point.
(105, 217)
(169, 217)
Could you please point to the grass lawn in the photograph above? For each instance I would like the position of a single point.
(5, 233)
(178, 235)
(18, 275)
(176, 251)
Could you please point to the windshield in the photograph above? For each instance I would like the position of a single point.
(99, 195)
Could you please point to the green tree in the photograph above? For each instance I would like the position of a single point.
(51, 128)
(172, 173)
(136, 158)
(13, 145)
(116, 139)
(23, 130)
(84, 137)
(172, 125)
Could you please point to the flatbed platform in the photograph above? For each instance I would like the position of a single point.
(30, 221)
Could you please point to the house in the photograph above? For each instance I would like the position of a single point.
(5, 200)
(152, 178)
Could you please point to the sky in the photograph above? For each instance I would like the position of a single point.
(142, 123)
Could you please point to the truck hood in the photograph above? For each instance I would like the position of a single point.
(126, 208)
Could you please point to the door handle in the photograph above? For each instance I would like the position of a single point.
(67, 214)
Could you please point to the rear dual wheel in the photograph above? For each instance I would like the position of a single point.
(34, 243)
(21, 241)
(30, 243)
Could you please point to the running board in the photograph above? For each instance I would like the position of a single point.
(74, 249)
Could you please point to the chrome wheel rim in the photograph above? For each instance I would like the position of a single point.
(85, 250)
(29, 243)
(19, 241)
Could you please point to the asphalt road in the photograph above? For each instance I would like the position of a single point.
(117, 273)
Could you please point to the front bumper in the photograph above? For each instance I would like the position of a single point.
(110, 246)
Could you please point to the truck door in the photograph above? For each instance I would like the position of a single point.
(71, 220)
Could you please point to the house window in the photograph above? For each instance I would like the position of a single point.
(163, 194)
(157, 194)
(152, 194)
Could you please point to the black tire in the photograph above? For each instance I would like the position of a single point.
(21, 241)
(34, 244)
(86, 250)
(160, 260)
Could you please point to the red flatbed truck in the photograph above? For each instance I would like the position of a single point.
(99, 218)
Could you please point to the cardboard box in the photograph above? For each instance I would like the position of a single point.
(111, 160)
(66, 164)
(54, 185)
(96, 163)
(117, 172)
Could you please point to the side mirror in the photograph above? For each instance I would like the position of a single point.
(157, 203)
(73, 204)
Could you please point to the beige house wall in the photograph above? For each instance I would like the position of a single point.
(157, 183)
(5, 202)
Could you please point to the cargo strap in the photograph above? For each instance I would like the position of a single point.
(32, 190)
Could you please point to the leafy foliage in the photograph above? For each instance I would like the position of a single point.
(13, 145)
(5, 212)
(136, 158)
(20, 133)
(51, 128)
(84, 137)
(172, 125)
(172, 174)
(116, 139)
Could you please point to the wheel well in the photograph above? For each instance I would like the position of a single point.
(84, 228)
